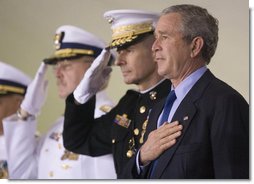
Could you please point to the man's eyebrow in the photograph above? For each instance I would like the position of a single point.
(160, 32)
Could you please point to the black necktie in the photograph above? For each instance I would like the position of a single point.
(166, 110)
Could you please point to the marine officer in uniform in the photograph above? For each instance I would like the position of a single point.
(47, 158)
(122, 130)
(13, 85)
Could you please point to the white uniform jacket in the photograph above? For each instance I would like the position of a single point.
(3, 159)
(46, 157)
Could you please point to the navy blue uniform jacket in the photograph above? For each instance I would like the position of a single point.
(85, 135)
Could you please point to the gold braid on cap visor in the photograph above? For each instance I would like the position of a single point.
(72, 52)
(127, 33)
(4, 89)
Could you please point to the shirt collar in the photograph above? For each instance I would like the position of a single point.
(184, 87)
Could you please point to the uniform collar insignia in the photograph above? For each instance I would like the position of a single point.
(153, 95)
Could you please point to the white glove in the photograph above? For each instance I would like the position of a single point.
(36, 92)
(94, 78)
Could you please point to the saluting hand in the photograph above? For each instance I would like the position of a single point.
(36, 92)
(95, 77)
(159, 140)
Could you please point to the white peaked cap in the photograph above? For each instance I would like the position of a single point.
(12, 80)
(128, 25)
(71, 42)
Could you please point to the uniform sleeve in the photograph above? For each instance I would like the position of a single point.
(82, 133)
(21, 147)
(132, 170)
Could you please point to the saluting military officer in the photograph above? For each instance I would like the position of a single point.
(48, 159)
(122, 130)
(13, 85)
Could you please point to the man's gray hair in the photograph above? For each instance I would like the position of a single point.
(196, 21)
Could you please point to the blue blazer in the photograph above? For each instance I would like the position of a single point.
(215, 137)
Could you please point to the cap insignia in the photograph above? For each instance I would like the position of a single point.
(58, 39)
(110, 19)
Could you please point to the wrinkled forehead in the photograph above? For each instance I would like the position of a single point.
(170, 20)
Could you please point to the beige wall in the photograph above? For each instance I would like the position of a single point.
(27, 28)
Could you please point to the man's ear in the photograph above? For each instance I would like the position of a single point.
(197, 45)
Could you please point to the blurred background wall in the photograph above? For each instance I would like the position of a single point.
(27, 28)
